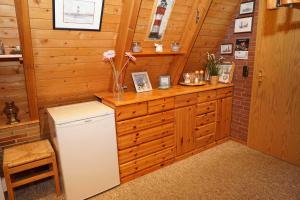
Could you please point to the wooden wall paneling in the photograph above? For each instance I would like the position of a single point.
(274, 115)
(129, 17)
(271, 4)
(213, 30)
(192, 28)
(22, 13)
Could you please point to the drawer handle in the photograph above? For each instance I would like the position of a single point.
(188, 101)
(134, 127)
(163, 106)
(133, 112)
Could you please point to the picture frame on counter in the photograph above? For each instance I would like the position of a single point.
(247, 7)
(226, 49)
(243, 25)
(78, 15)
(226, 72)
(141, 81)
(164, 82)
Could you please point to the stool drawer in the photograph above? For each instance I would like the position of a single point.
(185, 100)
(207, 96)
(206, 119)
(160, 105)
(131, 111)
(203, 141)
(206, 107)
(224, 92)
(205, 130)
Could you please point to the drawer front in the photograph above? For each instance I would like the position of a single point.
(206, 107)
(224, 92)
(185, 100)
(160, 105)
(147, 161)
(145, 149)
(203, 141)
(149, 121)
(207, 96)
(205, 119)
(131, 111)
(136, 138)
(205, 130)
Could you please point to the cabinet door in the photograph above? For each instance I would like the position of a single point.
(185, 122)
(224, 107)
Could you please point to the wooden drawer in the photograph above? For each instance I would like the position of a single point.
(131, 111)
(207, 96)
(206, 107)
(140, 123)
(205, 119)
(160, 105)
(203, 141)
(136, 138)
(224, 92)
(147, 161)
(185, 100)
(144, 149)
(205, 130)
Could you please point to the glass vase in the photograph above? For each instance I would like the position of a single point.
(118, 90)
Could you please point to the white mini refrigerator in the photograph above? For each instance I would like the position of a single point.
(84, 137)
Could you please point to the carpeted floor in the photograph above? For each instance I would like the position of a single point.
(226, 172)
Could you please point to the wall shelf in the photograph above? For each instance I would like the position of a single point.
(11, 57)
(149, 53)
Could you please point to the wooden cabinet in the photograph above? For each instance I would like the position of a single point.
(152, 132)
(184, 129)
(224, 107)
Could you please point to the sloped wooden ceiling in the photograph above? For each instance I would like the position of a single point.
(216, 24)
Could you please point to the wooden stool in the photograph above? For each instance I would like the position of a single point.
(29, 156)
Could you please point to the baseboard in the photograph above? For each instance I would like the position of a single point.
(238, 140)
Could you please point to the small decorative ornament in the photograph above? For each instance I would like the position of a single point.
(16, 50)
(158, 47)
(175, 47)
(2, 50)
(164, 82)
(136, 47)
(11, 112)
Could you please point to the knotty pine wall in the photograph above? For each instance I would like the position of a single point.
(12, 80)
(156, 66)
(215, 26)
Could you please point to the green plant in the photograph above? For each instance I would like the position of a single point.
(213, 64)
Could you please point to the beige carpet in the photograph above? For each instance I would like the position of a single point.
(228, 171)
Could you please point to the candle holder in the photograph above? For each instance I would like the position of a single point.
(11, 112)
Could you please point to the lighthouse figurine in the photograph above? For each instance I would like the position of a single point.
(160, 12)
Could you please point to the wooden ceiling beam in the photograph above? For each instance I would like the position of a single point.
(196, 19)
(22, 13)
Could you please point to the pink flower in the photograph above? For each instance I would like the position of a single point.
(130, 56)
(110, 54)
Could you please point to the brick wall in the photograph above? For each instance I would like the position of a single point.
(242, 85)
(18, 134)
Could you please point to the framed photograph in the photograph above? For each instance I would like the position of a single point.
(226, 72)
(160, 16)
(241, 49)
(247, 7)
(226, 49)
(77, 14)
(243, 25)
(141, 81)
(164, 82)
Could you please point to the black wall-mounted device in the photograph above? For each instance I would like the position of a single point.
(245, 71)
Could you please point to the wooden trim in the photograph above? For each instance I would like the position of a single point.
(271, 4)
(32, 179)
(22, 13)
(30, 165)
(189, 37)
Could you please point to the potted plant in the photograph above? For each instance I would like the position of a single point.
(213, 68)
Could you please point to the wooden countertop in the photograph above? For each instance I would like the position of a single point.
(133, 97)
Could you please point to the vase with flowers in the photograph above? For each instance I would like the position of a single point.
(118, 89)
(213, 68)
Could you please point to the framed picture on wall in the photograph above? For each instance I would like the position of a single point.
(241, 49)
(243, 25)
(247, 7)
(141, 81)
(78, 14)
(226, 49)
